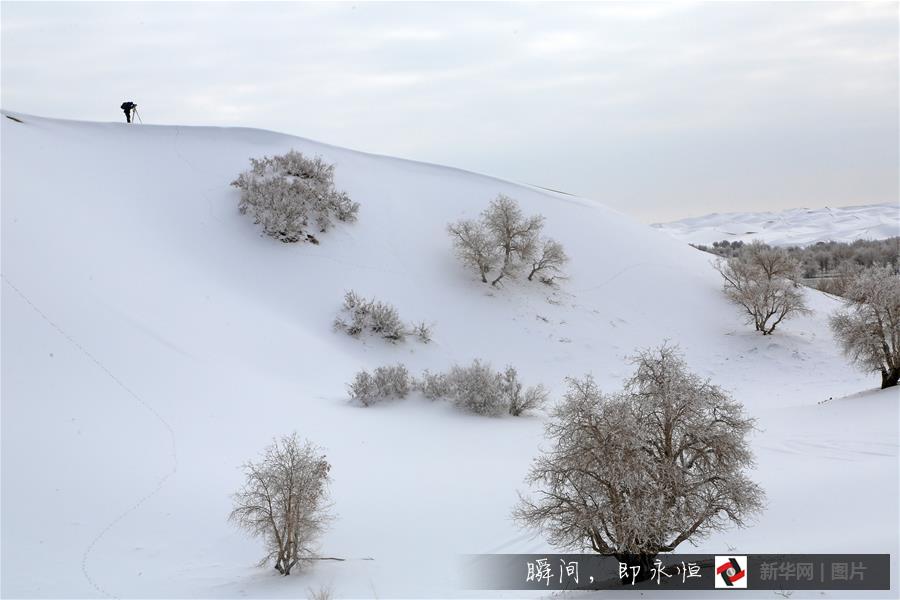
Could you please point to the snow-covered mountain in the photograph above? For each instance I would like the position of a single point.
(794, 227)
(153, 341)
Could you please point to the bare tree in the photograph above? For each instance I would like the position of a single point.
(763, 281)
(515, 236)
(868, 328)
(550, 260)
(284, 501)
(644, 470)
(289, 194)
(474, 246)
(506, 238)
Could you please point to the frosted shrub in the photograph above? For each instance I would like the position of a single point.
(392, 381)
(422, 331)
(380, 318)
(517, 399)
(386, 382)
(385, 321)
(290, 195)
(481, 390)
(363, 389)
(434, 386)
(477, 389)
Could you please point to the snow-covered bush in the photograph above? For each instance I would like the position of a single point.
(477, 389)
(644, 470)
(764, 282)
(392, 381)
(285, 501)
(520, 400)
(868, 328)
(434, 386)
(376, 317)
(385, 383)
(289, 195)
(385, 321)
(363, 389)
(323, 593)
(422, 330)
(505, 239)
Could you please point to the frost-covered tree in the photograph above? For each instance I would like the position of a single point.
(548, 261)
(642, 471)
(868, 328)
(773, 262)
(515, 235)
(506, 240)
(474, 246)
(764, 282)
(285, 501)
(290, 195)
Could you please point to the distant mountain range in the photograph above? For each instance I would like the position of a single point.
(793, 227)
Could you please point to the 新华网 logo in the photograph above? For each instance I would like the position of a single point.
(731, 572)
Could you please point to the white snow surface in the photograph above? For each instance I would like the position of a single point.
(793, 227)
(153, 341)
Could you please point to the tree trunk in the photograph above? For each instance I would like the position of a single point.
(890, 378)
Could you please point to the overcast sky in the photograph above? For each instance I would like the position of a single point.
(660, 110)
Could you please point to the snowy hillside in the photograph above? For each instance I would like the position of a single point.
(794, 227)
(153, 341)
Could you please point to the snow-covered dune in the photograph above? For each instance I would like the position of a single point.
(794, 227)
(153, 341)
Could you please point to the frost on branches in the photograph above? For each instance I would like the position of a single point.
(868, 328)
(477, 388)
(380, 318)
(765, 283)
(505, 242)
(640, 471)
(291, 196)
(285, 501)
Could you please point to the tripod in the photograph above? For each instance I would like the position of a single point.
(134, 110)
